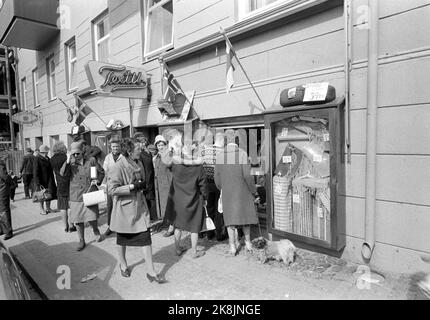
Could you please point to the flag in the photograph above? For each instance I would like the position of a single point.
(229, 53)
(172, 87)
(82, 111)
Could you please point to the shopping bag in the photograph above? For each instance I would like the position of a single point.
(220, 203)
(94, 197)
(42, 195)
(208, 224)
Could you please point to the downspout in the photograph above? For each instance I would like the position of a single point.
(348, 68)
(371, 132)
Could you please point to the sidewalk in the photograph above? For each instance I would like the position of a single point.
(41, 246)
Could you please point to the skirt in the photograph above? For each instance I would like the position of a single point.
(80, 213)
(62, 203)
(140, 239)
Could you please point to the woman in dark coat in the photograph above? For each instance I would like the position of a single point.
(43, 176)
(186, 199)
(63, 184)
(233, 178)
(5, 214)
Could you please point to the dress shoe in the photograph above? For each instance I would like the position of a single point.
(157, 278)
(99, 237)
(72, 229)
(198, 254)
(108, 232)
(43, 213)
(125, 273)
(8, 236)
(179, 251)
(168, 234)
(81, 246)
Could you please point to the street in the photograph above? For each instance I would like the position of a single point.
(45, 251)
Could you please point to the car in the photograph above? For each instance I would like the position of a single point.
(12, 285)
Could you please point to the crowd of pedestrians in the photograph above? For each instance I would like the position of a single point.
(144, 184)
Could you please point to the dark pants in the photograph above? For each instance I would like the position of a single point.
(212, 207)
(28, 184)
(109, 208)
(6, 220)
(12, 193)
(152, 209)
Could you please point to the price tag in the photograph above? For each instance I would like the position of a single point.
(326, 137)
(320, 213)
(287, 159)
(296, 198)
(316, 92)
(318, 158)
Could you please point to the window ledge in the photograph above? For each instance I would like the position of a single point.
(261, 19)
(53, 99)
(72, 91)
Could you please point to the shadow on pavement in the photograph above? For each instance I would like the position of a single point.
(35, 225)
(414, 291)
(47, 264)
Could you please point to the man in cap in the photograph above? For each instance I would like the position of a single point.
(146, 159)
(110, 160)
(26, 172)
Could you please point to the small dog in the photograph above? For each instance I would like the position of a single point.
(279, 250)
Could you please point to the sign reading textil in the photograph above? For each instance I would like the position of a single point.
(118, 81)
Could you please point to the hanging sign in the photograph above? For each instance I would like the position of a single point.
(26, 117)
(118, 81)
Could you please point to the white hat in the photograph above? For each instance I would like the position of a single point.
(158, 139)
(43, 148)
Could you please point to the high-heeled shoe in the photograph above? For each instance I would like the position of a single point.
(125, 273)
(248, 247)
(179, 251)
(157, 278)
(233, 251)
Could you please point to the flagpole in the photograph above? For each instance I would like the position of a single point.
(222, 31)
(82, 101)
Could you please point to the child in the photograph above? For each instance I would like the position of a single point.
(13, 186)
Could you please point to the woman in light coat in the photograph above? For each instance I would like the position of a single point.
(130, 215)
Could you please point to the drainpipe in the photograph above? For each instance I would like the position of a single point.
(348, 65)
(371, 132)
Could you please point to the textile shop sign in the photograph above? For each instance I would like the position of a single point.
(26, 117)
(118, 81)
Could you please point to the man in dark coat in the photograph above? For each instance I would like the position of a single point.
(26, 172)
(146, 158)
(5, 214)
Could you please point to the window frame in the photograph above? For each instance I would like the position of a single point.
(49, 73)
(146, 13)
(69, 61)
(244, 16)
(23, 84)
(96, 41)
(36, 81)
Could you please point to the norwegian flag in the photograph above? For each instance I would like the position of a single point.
(172, 87)
(82, 111)
(229, 79)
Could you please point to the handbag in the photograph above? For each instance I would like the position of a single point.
(208, 224)
(94, 197)
(42, 195)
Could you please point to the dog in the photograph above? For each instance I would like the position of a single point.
(282, 250)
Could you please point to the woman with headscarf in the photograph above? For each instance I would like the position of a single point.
(187, 198)
(63, 184)
(130, 218)
(78, 169)
(43, 177)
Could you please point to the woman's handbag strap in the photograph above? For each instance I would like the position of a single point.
(94, 182)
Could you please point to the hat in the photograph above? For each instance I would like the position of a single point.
(76, 147)
(158, 139)
(43, 148)
(29, 150)
(151, 147)
(138, 134)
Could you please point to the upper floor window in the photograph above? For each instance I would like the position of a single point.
(71, 65)
(24, 94)
(102, 38)
(251, 7)
(35, 77)
(50, 71)
(158, 25)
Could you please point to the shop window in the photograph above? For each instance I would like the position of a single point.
(24, 94)
(71, 65)
(158, 25)
(35, 77)
(50, 71)
(249, 8)
(102, 38)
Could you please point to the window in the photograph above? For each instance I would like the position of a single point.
(71, 62)
(251, 7)
(102, 38)
(50, 71)
(24, 94)
(35, 87)
(158, 25)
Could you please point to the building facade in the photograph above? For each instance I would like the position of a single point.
(281, 44)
